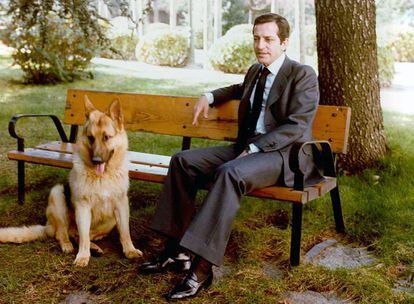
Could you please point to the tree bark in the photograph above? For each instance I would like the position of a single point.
(348, 75)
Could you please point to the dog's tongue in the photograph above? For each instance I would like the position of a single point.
(100, 169)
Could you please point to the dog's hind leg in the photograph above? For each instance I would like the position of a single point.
(96, 250)
(57, 214)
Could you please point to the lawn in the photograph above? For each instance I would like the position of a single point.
(378, 215)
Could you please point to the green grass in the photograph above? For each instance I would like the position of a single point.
(378, 215)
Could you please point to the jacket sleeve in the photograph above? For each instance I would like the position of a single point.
(231, 92)
(301, 109)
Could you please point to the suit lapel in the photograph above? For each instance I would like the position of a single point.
(249, 84)
(280, 82)
(251, 80)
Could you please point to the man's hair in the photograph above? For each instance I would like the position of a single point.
(281, 22)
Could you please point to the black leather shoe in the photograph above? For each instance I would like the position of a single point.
(189, 287)
(164, 262)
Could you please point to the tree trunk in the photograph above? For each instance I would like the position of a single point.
(348, 75)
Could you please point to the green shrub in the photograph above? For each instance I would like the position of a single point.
(164, 47)
(403, 47)
(123, 39)
(233, 53)
(386, 68)
(52, 43)
(124, 46)
(61, 55)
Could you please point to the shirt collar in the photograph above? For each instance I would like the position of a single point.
(275, 66)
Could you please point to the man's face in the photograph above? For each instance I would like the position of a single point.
(267, 44)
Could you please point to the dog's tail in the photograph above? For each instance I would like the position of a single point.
(25, 234)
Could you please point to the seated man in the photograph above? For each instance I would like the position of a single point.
(278, 102)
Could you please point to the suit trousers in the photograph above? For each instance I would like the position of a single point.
(207, 231)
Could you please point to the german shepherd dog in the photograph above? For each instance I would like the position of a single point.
(98, 185)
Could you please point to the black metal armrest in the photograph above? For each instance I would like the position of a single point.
(20, 140)
(323, 159)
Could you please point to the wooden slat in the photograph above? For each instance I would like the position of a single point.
(64, 160)
(57, 146)
(43, 157)
(172, 115)
(134, 157)
(155, 172)
(288, 194)
(149, 159)
(325, 186)
(281, 193)
(147, 173)
(163, 161)
(332, 124)
(169, 115)
(311, 194)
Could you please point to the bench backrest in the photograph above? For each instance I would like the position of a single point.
(172, 115)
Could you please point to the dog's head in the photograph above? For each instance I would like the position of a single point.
(103, 139)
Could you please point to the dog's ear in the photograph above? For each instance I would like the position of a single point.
(88, 106)
(116, 114)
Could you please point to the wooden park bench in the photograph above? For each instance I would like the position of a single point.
(172, 115)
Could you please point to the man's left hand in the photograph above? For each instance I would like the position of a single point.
(200, 107)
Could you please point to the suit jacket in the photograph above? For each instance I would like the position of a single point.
(289, 112)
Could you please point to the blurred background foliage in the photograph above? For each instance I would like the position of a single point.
(55, 40)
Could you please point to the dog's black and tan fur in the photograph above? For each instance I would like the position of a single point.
(98, 184)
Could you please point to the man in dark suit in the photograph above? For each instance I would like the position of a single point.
(278, 101)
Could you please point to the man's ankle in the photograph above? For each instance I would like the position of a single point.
(201, 267)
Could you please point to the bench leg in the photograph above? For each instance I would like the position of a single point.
(296, 234)
(20, 182)
(337, 209)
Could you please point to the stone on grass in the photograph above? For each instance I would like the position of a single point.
(220, 272)
(333, 255)
(82, 297)
(312, 297)
(272, 271)
(405, 285)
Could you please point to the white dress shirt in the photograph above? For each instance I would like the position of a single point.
(274, 68)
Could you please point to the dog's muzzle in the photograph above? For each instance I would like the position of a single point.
(99, 165)
(97, 160)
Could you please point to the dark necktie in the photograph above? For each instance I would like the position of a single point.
(257, 103)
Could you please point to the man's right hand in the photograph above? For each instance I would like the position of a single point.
(201, 106)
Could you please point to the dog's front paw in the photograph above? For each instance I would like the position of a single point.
(67, 247)
(81, 260)
(134, 253)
